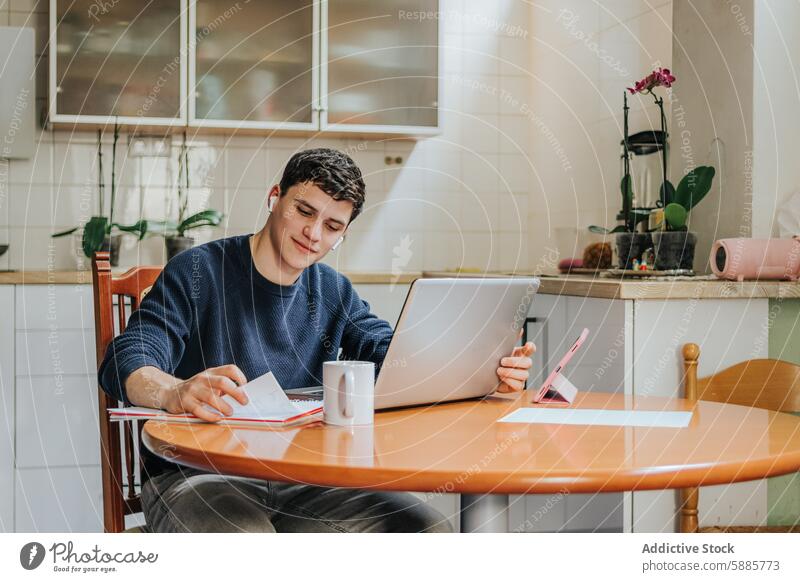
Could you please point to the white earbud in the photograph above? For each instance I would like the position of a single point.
(337, 243)
(271, 203)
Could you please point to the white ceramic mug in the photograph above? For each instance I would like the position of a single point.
(348, 396)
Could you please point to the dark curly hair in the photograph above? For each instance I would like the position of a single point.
(332, 171)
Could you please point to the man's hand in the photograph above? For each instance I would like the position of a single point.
(207, 388)
(513, 370)
(149, 386)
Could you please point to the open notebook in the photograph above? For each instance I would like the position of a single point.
(268, 406)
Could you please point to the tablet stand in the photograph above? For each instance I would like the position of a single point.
(560, 391)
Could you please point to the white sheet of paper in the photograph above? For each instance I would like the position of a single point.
(266, 399)
(600, 417)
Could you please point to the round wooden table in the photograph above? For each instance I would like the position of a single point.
(460, 448)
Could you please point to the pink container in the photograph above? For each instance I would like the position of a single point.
(750, 258)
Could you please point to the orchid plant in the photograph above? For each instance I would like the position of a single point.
(696, 183)
(632, 216)
(100, 226)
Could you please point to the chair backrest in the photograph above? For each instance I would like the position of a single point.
(117, 437)
(760, 383)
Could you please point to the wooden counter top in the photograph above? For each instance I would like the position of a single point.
(85, 277)
(572, 285)
(610, 288)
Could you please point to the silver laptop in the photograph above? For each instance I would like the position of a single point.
(449, 339)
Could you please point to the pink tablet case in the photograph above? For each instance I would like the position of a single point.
(563, 391)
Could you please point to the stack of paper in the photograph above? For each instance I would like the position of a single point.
(268, 406)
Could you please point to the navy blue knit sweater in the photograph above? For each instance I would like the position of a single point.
(211, 307)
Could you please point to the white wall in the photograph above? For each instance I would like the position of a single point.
(712, 114)
(458, 200)
(776, 102)
(741, 106)
(583, 55)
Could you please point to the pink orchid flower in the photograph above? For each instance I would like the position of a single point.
(658, 78)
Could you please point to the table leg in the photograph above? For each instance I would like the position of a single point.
(484, 513)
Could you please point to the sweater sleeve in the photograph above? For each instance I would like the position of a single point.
(156, 334)
(366, 337)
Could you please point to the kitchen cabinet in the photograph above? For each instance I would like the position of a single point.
(380, 66)
(120, 61)
(7, 408)
(331, 66)
(56, 474)
(254, 65)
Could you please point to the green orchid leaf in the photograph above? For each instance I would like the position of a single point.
(161, 227)
(202, 218)
(65, 232)
(139, 228)
(94, 233)
(675, 215)
(694, 186)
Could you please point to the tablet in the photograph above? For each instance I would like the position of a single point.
(548, 383)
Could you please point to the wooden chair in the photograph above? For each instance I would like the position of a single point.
(770, 384)
(117, 437)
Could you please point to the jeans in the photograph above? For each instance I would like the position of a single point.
(188, 500)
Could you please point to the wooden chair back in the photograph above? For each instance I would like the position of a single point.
(118, 440)
(760, 383)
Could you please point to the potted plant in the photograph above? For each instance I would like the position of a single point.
(674, 244)
(98, 234)
(631, 244)
(174, 232)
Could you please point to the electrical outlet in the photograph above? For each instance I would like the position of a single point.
(150, 147)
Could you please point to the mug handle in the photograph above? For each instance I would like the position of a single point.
(347, 394)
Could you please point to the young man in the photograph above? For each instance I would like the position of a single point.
(237, 308)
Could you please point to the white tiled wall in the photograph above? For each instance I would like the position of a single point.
(583, 56)
(460, 199)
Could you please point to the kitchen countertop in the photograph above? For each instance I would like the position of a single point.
(85, 277)
(572, 285)
(683, 288)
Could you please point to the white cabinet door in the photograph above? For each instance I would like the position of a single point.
(56, 425)
(380, 66)
(46, 307)
(254, 65)
(56, 353)
(7, 408)
(60, 499)
(118, 61)
(57, 421)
